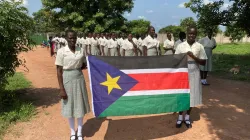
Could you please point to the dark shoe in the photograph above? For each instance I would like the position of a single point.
(179, 125)
(205, 84)
(188, 123)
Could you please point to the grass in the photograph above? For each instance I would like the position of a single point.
(226, 56)
(13, 107)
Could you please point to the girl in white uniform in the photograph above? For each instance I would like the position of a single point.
(196, 56)
(129, 47)
(209, 44)
(113, 46)
(169, 45)
(94, 49)
(150, 43)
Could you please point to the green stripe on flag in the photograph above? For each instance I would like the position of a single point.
(148, 104)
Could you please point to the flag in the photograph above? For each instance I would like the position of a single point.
(123, 86)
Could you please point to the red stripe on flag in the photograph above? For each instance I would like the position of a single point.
(160, 81)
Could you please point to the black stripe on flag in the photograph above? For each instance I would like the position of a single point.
(146, 62)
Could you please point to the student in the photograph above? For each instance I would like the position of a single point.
(209, 44)
(100, 42)
(93, 47)
(182, 38)
(196, 56)
(169, 44)
(139, 45)
(150, 43)
(87, 44)
(113, 46)
(73, 91)
(129, 48)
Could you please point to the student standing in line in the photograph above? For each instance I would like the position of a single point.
(113, 46)
(87, 44)
(169, 44)
(182, 38)
(150, 43)
(93, 47)
(70, 62)
(129, 48)
(196, 56)
(209, 44)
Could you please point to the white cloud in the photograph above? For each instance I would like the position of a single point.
(128, 14)
(207, 1)
(181, 5)
(141, 17)
(149, 11)
(24, 2)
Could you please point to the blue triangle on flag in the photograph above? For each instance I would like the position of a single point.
(98, 73)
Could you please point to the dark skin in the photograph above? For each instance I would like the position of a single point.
(113, 35)
(130, 39)
(169, 38)
(151, 32)
(191, 36)
(71, 39)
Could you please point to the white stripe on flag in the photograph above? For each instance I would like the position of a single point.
(157, 92)
(162, 70)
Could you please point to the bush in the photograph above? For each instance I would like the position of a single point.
(15, 29)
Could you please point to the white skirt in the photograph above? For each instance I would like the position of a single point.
(195, 84)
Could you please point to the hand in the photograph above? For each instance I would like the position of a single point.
(63, 94)
(190, 54)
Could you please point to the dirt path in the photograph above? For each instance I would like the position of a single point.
(224, 115)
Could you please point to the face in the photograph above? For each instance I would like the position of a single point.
(130, 36)
(98, 35)
(94, 35)
(101, 35)
(71, 38)
(152, 31)
(113, 35)
(209, 34)
(191, 34)
(169, 35)
(89, 35)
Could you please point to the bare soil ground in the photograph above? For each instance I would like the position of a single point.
(224, 115)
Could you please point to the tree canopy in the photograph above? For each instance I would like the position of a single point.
(138, 26)
(15, 28)
(89, 15)
(216, 13)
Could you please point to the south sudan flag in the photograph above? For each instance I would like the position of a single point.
(123, 86)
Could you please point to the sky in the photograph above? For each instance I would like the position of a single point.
(160, 13)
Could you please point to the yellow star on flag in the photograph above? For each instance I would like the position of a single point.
(111, 83)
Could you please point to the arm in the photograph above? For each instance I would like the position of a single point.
(135, 48)
(89, 49)
(60, 81)
(196, 59)
(109, 54)
(103, 50)
(145, 51)
(123, 52)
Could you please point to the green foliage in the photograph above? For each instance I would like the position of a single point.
(186, 22)
(138, 26)
(13, 107)
(88, 15)
(213, 14)
(226, 56)
(15, 29)
(235, 34)
(175, 30)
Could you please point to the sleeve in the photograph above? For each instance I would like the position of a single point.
(123, 45)
(165, 44)
(145, 42)
(59, 58)
(177, 51)
(202, 54)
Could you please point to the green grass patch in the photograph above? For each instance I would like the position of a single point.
(226, 56)
(13, 106)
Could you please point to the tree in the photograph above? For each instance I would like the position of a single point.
(45, 21)
(89, 15)
(15, 28)
(234, 33)
(186, 22)
(213, 14)
(138, 26)
(175, 30)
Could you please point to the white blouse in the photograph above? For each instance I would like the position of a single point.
(169, 44)
(69, 60)
(127, 45)
(150, 42)
(112, 44)
(197, 49)
(207, 43)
